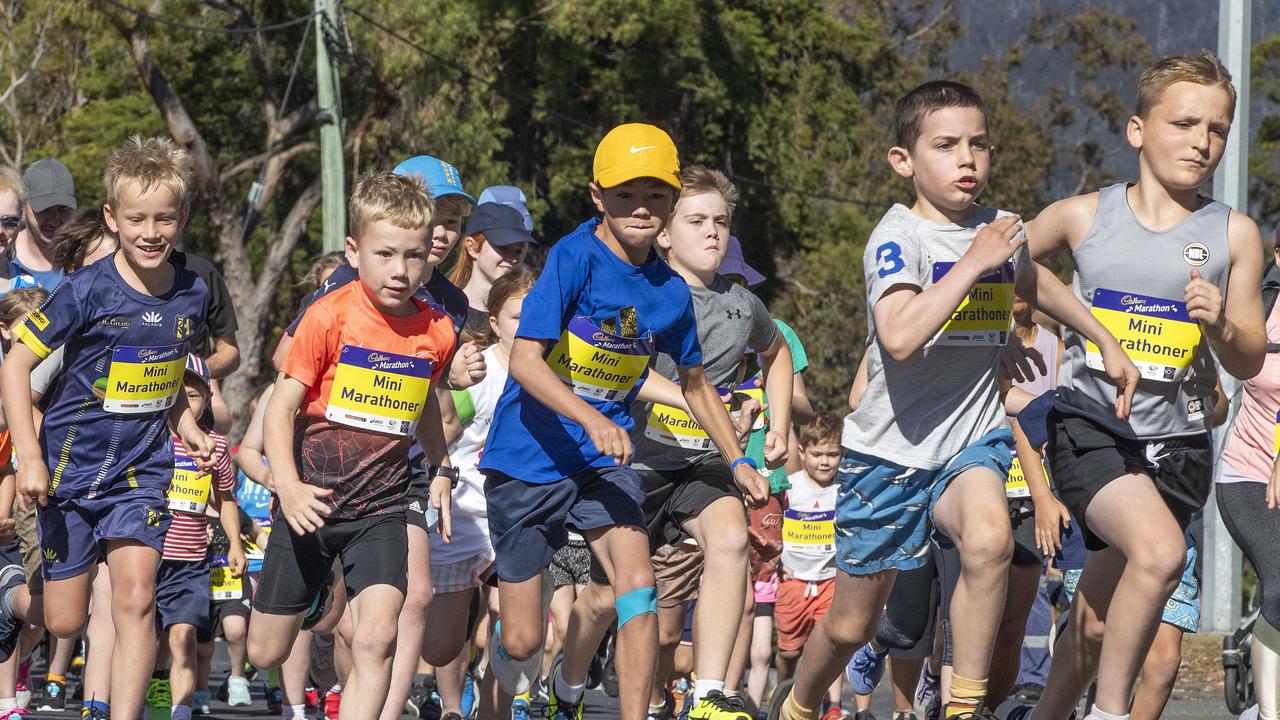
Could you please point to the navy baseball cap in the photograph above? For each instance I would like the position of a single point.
(501, 224)
(439, 177)
(511, 196)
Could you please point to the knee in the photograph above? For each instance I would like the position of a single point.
(669, 636)
(182, 641)
(417, 597)
(374, 640)
(522, 643)
(789, 655)
(633, 579)
(988, 547)
(848, 632)
(727, 546)
(265, 652)
(133, 601)
(64, 625)
(233, 632)
(1158, 570)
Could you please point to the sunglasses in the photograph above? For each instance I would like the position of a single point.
(10, 222)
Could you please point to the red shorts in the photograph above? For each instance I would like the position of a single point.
(799, 606)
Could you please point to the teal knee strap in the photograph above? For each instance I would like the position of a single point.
(637, 602)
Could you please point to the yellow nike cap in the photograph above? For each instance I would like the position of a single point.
(636, 150)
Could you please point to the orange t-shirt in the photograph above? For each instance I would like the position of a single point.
(367, 376)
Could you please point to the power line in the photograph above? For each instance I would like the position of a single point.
(209, 28)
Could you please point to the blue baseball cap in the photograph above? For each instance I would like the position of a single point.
(501, 224)
(735, 264)
(439, 177)
(511, 196)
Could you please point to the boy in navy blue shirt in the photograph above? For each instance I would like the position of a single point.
(559, 448)
(104, 458)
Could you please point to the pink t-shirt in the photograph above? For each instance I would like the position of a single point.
(1249, 447)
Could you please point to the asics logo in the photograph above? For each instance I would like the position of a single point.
(635, 149)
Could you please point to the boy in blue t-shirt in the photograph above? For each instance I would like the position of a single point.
(559, 448)
(104, 457)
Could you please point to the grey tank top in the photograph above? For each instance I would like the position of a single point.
(1132, 279)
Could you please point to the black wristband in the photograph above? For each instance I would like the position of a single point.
(449, 472)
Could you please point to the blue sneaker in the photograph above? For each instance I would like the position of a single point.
(469, 697)
(865, 670)
(520, 709)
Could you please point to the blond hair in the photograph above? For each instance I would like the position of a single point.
(399, 200)
(1203, 68)
(699, 179)
(10, 181)
(17, 303)
(150, 162)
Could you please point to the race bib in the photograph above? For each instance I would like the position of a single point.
(809, 528)
(1157, 334)
(189, 490)
(222, 585)
(986, 313)
(677, 428)
(597, 364)
(379, 391)
(143, 379)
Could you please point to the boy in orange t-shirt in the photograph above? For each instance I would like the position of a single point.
(352, 394)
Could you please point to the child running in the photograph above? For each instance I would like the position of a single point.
(559, 449)
(1134, 485)
(928, 447)
(103, 460)
(361, 365)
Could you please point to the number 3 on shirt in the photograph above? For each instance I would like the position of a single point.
(889, 255)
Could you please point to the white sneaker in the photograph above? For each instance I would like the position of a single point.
(1250, 713)
(238, 692)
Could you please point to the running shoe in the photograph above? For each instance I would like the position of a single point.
(275, 700)
(311, 699)
(11, 576)
(200, 704)
(929, 694)
(451, 716)
(94, 713)
(469, 704)
(979, 713)
(332, 702)
(666, 711)
(679, 688)
(17, 712)
(554, 711)
(520, 709)
(609, 677)
(779, 699)
(23, 686)
(1028, 693)
(865, 670)
(1250, 713)
(835, 712)
(159, 699)
(1011, 709)
(718, 706)
(419, 700)
(905, 716)
(55, 696)
(238, 692)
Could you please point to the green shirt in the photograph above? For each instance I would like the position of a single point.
(755, 442)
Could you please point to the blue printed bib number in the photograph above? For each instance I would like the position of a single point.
(222, 584)
(189, 490)
(597, 364)
(379, 391)
(142, 379)
(1156, 333)
(986, 313)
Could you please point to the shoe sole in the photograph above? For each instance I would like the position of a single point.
(780, 695)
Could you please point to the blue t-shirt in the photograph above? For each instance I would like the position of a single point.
(437, 290)
(104, 424)
(255, 501)
(602, 318)
(24, 276)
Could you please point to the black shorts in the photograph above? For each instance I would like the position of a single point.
(1025, 551)
(373, 550)
(418, 501)
(673, 497)
(1084, 458)
(182, 594)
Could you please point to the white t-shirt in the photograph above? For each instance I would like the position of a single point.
(809, 529)
(470, 518)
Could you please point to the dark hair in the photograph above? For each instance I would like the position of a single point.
(74, 240)
(911, 109)
(321, 265)
(518, 281)
(824, 427)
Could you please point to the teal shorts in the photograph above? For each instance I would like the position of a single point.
(1181, 610)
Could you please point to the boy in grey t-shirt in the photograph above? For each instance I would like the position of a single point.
(689, 489)
(928, 445)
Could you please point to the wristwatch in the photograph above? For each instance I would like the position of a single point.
(449, 472)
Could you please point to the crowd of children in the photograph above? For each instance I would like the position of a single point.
(483, 493)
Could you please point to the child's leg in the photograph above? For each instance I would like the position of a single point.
(411, 623)
(562, 601)
(66, 605)
(1159, 673)
(100, 636)
(903, 675)
(590, 619)
(742, 645)
(623, 551)
(447, 628)
(670, 631)
(974, 513)
(182, 666)
(1024, 580)
(721, 532)
(761, 658)
(133, 611)
(374, 614)
(64, 649)
(271, 637)
(234, 630)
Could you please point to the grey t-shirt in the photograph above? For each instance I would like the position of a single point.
(731, 321)
(922, 411)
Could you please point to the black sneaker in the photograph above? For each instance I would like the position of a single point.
(320, 604)
(1028, 693)
(609, 679)
(275, 701)
(595, 671)
(55, 696)
(11, 576)
(780, 695)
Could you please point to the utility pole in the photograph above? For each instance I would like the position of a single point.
(329, 97)
(1222, 562)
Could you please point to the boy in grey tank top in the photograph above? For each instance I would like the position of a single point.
(1173, 275)
(929, 445)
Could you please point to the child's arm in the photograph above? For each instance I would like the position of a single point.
(15, 395)
(229, 518)
(183, 424)
(538, 379)
(8, 490)
(450, 421)
(251, 458)
(656, 388)
(906, 317)
(300, 503)
(430, 434)
(1236, 329)
(779, 380)
(706, 407)
(1051, 515)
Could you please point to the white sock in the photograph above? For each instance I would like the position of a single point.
(294, 711)
(7, 704)
(566, 693)
(1096, 714)
(337, 688)
(702, 688)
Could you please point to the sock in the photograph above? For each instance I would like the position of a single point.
(294, 711)
(336, 689)
(566, 693)
(654, 710)
(1096, 714)
(88, 705)
(701, 688)
(180, 712)
(52, 677)
(791, 709)
(966, 695)
(7, 704)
